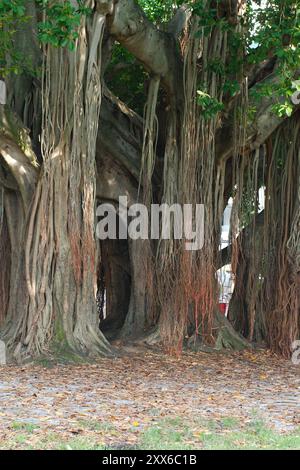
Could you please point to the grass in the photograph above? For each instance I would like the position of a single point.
(21, 426)
(225, 434)
(167, 434)
(96, 426)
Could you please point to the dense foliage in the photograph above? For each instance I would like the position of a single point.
(269, 29)
(12, 14)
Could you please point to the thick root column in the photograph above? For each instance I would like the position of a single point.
(60, 247)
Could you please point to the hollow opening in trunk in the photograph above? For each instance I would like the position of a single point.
(114, 286)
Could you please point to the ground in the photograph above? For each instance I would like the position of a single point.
(151, 401)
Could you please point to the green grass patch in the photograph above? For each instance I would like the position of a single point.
(167, 434)
(21, 426)
(93, 425)
(225, 434)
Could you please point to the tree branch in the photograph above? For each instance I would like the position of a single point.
(20, 167)
(258, 131)
(155, 49)
(179, 21)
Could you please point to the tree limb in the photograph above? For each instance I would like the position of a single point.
(20, 167)
(155, 49)
(258, 130)
(179, 21)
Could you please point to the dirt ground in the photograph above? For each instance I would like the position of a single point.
(118, 399)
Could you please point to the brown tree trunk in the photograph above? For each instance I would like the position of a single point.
(139, 313)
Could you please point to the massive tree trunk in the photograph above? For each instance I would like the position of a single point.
(89, 146)
(57, 254)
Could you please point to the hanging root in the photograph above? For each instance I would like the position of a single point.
(266, 258)
(187, 284)
(281, 289)
(150, 140)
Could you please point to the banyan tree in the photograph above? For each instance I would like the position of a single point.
(164, 102)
